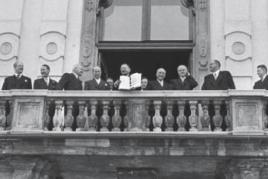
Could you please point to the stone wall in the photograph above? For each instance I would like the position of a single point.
(239, 37)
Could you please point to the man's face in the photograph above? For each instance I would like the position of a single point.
(125, 70)
(110, 82)
(18, 68)
(78, 70)
(44, 71)
(182, 71)
(213, 67)
(97, 73)
(160, 74)
(261, 72)
(144, 83)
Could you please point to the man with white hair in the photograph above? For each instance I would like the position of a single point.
(17, 81)
(159, 83)
(96, 83)
(185, 80)
(71, 81)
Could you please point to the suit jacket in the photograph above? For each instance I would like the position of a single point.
(261, 84)
(41, 84)
(69, 81)
(12, 82)
(223, 82)
(155, 85)
(93, 85)
(188, 84)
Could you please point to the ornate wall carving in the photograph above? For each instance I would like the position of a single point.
(52, 46)
(9, 44)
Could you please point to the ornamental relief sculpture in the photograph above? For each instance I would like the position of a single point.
(9, 44)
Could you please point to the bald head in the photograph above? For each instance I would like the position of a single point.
(77, 69)
(18, 67)
(160, 74)
(182, 70)
(97, 72)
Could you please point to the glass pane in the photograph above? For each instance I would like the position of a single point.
(122, 21)
(169, 20)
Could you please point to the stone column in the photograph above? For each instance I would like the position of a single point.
(30, 36)
(244, 169)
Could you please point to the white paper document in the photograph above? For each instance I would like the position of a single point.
(130, 82)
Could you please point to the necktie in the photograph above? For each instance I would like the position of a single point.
(215, 75)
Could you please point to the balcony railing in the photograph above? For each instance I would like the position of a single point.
(226, 112)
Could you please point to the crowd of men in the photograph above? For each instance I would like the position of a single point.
(217, 80)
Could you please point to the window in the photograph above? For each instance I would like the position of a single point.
(147, 34)
(140, 20)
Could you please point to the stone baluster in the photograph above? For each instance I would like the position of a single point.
(93, 119)
(2, 115)
(69, 119)
(181, 118)
(148, 116)
(82, 116)
(169, 119)
(104, 119)
(126, 119)
(116, 119)
(205, 118)
(58, 119)
(217, 118)
(47, 117)
(10, 114)
(228, 118)
(157, 119)
(193, 118)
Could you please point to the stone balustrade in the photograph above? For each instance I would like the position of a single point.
(229, 112)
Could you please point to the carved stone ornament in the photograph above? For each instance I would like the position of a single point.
(6, 48)
(238, 48)
(52, 46)
(9, 44)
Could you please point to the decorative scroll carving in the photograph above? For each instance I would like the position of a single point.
(52, 46)
(9, 44)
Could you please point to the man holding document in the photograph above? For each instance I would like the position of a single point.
(127, 81)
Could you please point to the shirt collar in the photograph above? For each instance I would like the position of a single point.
(161, 82)
(264, 76)
(98, 80)
(76, 76)
(18, 75)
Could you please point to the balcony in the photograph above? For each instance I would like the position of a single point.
(134, 112)
(195, 134)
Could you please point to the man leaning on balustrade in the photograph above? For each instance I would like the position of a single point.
(96, 83)
(18, 80)
(159, 83)
(185, 81)
(218, 80)
(71, 81)
(45, 82)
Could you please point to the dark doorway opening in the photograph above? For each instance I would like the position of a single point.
(145, 62)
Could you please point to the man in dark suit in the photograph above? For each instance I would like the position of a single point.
(45, 82)
(71, 81)
(17, 81)
(263, 82)
(218, 80)
(159, 83)
(185, 80)
(96, 83)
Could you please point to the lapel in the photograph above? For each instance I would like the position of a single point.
(44, 83)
